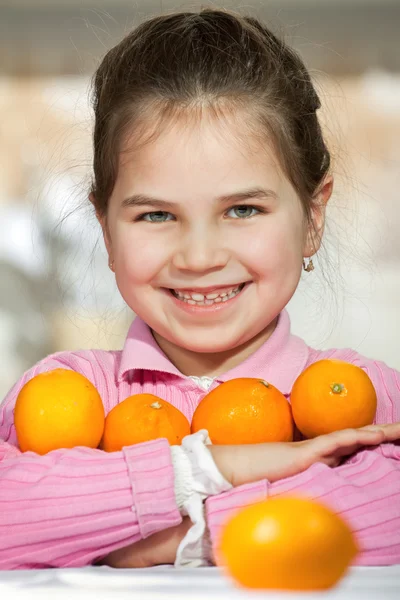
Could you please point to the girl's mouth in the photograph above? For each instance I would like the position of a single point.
(208, 299)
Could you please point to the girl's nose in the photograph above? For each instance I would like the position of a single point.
(200, 251)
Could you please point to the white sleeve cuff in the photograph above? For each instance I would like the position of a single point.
(184, 482)
(196, 478)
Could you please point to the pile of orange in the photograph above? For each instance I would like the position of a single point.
(286, 543)
(63, 409)
(327, 396)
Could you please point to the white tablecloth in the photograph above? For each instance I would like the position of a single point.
(167, 583)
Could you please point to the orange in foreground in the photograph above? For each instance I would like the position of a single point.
(331, 395)
(286, 543)
(140, 418)
(245, 410)
(58, 409)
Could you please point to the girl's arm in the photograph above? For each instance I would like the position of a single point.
(364, 489)
(245, 464)
(69, 508)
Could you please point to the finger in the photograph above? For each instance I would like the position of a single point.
(357, 436)
(347, 441)
(390, 431)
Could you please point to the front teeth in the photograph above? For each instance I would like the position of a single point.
(208, 299)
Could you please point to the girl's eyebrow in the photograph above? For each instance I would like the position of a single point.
(144, 200)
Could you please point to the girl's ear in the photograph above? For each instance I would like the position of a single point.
(318, 208)
(102, 219)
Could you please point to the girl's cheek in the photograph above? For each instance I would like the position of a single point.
(141, 257)
(265, 249)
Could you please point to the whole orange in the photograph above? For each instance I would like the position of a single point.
(140, 418)
(245, 410)
(330, 395)
(286, 543)
(58, 409)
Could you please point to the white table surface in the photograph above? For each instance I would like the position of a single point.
(167, 583)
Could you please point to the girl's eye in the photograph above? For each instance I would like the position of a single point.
(160, 216)
(244, 211)
(155, 217)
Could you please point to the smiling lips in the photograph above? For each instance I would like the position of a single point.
(212, 297)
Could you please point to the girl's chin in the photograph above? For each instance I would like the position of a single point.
(212, 344)
(207, 348)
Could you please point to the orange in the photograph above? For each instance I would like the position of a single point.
(140, 418)
(245, 410)
(286, 543)
(58, 409)
(330, 395)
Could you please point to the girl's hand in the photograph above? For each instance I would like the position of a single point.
(273, 461)
(158, 549)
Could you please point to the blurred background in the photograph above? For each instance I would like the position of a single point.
(56, 291)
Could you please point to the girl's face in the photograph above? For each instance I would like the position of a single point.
(195, 214)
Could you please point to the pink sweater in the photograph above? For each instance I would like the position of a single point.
(71, 507)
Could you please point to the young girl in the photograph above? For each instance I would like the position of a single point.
(211, 178)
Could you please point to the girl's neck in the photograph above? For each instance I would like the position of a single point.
(201, 364)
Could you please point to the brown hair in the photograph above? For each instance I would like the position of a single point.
(212, 59)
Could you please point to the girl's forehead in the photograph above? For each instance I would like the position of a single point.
(199, 149)
(195, 165)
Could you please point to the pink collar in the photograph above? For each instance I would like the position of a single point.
(279, 360)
